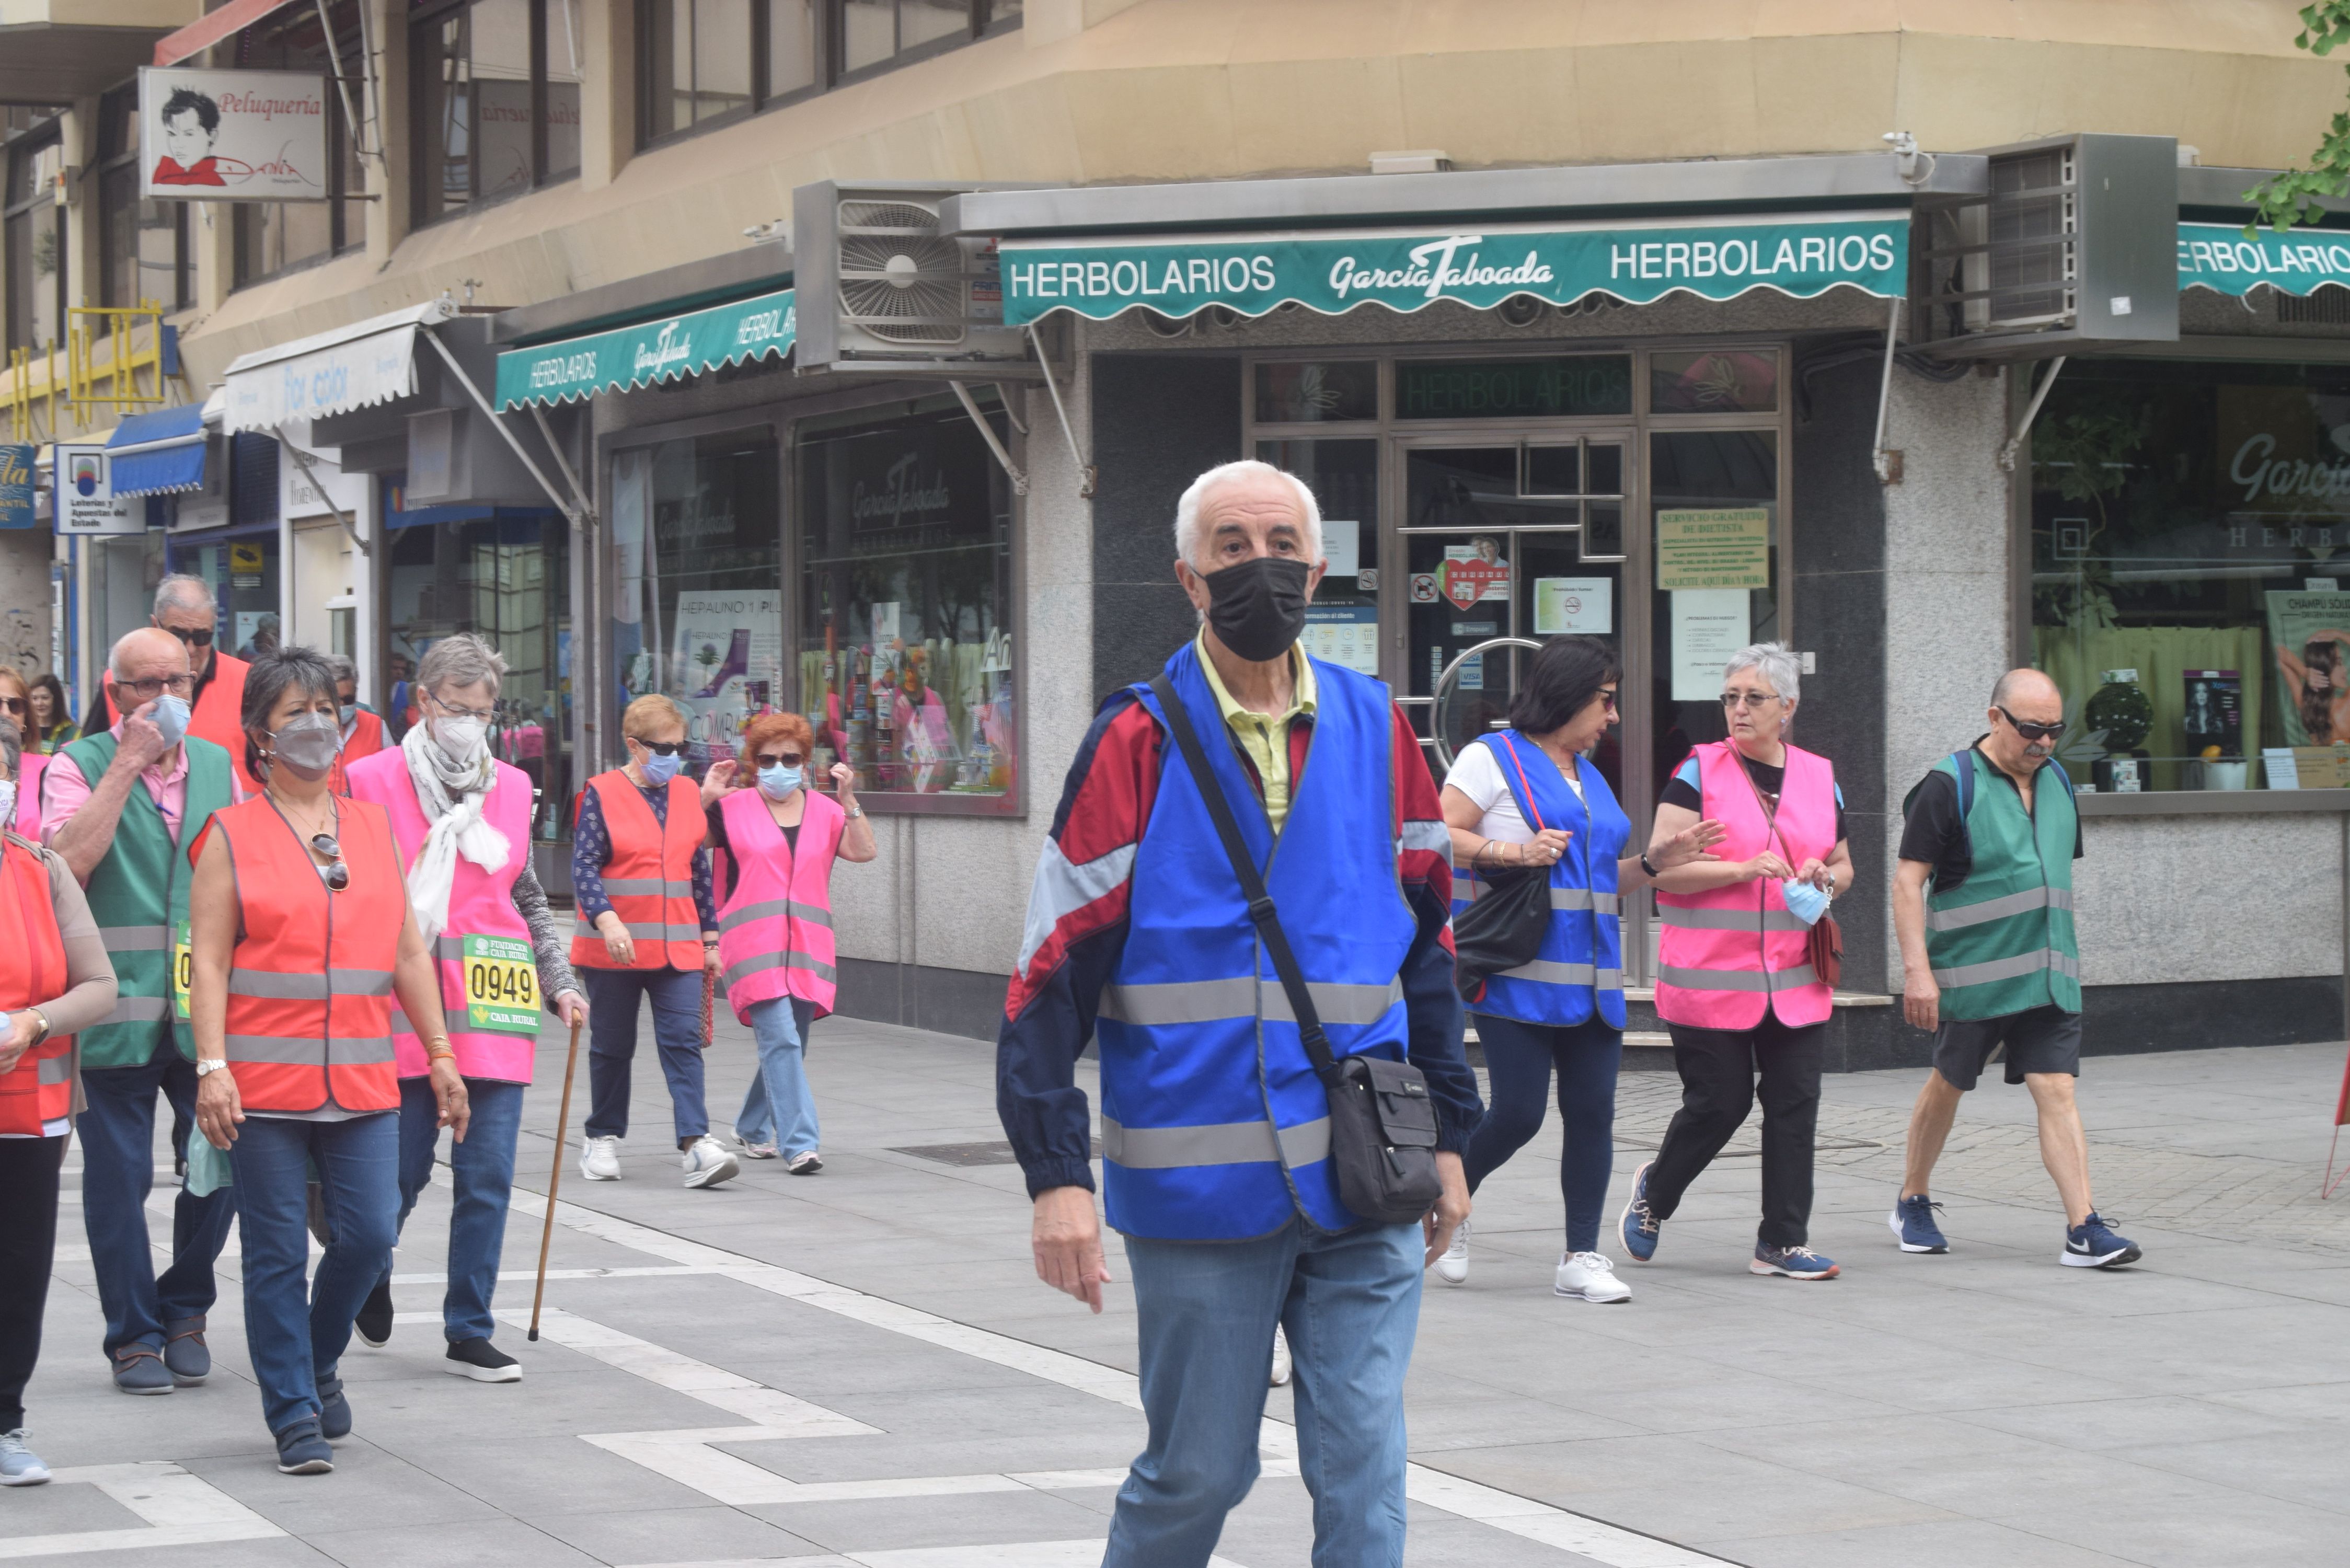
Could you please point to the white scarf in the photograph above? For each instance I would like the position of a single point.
(450, 795)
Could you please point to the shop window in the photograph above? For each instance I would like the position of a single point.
(1316, 391)
(274, 236)
(503, 575)
(907, 644)
(698, 600)
(145, 243)
(496, 101)
(1342, 624)
(1713, 498)
(34, 241)
(2190, 572)
(1714, 381)
(242, 566)
(703, 62)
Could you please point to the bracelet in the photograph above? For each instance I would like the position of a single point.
(437, 1048)
(1650, 868)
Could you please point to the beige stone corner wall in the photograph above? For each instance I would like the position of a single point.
(1111, 91)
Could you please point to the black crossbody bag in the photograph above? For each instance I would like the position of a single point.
(1382, 1121)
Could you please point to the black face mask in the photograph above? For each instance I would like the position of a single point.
(1258, 607)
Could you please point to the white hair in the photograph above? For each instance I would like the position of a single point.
(180, 591)
(1192, 548)
(1781, 668)
(459, 660)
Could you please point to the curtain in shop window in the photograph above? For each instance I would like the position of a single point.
(2076, 659)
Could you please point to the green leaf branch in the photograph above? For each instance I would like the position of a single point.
(2297, 196)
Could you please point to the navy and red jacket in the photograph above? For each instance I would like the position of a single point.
(1077, 922)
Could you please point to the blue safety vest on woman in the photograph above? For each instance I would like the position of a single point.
(1214, 1126)
(1580, 965)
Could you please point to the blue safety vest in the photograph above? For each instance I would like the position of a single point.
(1581, 963)
(1214, 1127)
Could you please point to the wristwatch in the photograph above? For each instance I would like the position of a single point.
(853, 812)
(210, 1065)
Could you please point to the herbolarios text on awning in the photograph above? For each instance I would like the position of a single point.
(1405, 270)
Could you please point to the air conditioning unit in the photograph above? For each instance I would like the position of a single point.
(2074, 243)
(881, 289)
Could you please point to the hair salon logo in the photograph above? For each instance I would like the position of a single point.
(902, 491)
(672, 346)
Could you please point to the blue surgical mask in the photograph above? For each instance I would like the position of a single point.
(1806, 902)
(170, 716)
(659, 769)
(778, 782)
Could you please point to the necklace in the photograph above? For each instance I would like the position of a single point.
(284, 809)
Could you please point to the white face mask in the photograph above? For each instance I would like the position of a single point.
(7, 802)
(462, 739)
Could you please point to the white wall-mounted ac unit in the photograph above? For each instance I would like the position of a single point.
(881, 290)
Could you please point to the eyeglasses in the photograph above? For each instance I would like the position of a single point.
(486, 715)
(2034, 731)
(338, 875)
(200, 638)
(154, 686)
(662, 748)
(1747, 699)
(779, 759)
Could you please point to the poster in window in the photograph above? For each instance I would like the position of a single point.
(1344, 634)
(234, 136)
(727, 664)
(2309, 636)
(1709, 626)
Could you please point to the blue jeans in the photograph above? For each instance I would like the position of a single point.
(1519, 1057)
(612, 999)
(117, 1152)
(1351, 1305)
(297, 1336)
(481, 1170)
(780, 1107)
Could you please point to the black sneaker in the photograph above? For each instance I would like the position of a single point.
(334, 1410)
(301, 1451)
(483, 1362)
(374, 1322)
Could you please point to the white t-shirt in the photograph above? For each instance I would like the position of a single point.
(1478, 772)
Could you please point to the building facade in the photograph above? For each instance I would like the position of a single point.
(1643, 331)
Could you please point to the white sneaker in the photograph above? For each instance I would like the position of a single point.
(1453, 1267)
(1592, 1276)
(600, 1159)
(19, 1466)
(707, 1163)
(1280, 1358)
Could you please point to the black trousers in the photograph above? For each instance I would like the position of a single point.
(1718, 1068)
(28, 1245)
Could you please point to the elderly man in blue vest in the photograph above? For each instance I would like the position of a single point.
(1215, 1127)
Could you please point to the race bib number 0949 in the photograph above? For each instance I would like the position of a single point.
(184, 969)
(501, 986)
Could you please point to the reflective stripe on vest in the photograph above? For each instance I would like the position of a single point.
(1727, 955)
(137, 895)
(1214, 1126)
(2002, 940)
(652, 880)
(774, 931)
(481, 904)
(308, 1015)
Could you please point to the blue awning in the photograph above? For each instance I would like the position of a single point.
(160, 454)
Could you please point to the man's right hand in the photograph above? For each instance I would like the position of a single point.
(1921, 999)
(619, 945)
(1066, 1239)
(143, 744)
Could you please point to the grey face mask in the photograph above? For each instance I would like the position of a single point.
(308, 745)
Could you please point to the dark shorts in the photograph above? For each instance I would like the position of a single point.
(2042, 1040)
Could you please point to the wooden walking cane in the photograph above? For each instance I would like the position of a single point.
(554, 1178)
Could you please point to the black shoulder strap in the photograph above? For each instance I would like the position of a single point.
(1259, 902)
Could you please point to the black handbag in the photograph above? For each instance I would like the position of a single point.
(1382, 1121)
(1506, 927)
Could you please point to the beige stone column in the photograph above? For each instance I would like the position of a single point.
(607, 98)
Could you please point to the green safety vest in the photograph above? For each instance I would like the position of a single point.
(138, 897)
(2001, 941)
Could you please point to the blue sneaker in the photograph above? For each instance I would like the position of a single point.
(1913, 1220)
(2092, 1244)
(1639, 1226)
(1794, 1262)
(19, 1466)
(301, 1451)
(334, 1409)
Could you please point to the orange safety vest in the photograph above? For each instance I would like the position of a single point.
(365, 740)
(38, 1090)
(309, 987)
(650, 878)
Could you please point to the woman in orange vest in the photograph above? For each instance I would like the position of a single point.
(648, 930)
(300, 933)
(59, 981)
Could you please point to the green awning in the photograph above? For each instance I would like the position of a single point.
(2217, 256)
(650, 351)
(1407, 270)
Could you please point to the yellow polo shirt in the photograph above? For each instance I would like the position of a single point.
(1264, 736)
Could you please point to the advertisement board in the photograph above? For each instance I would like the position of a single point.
(86, 501)
(232, 136)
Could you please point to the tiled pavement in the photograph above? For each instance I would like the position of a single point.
(861, 1368)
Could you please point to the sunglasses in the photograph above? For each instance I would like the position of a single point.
(778, 758)
(198, 639)
(338, 875)
(12, 704)
(662, 748)
(2034, 731)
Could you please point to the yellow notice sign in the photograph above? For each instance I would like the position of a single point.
(1726, 549)
(245, 557)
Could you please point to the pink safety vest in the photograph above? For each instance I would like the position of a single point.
(1725, 953)
(774, 931)
(28, 796)
(481, 904)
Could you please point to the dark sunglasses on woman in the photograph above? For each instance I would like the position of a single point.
(338, 875)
